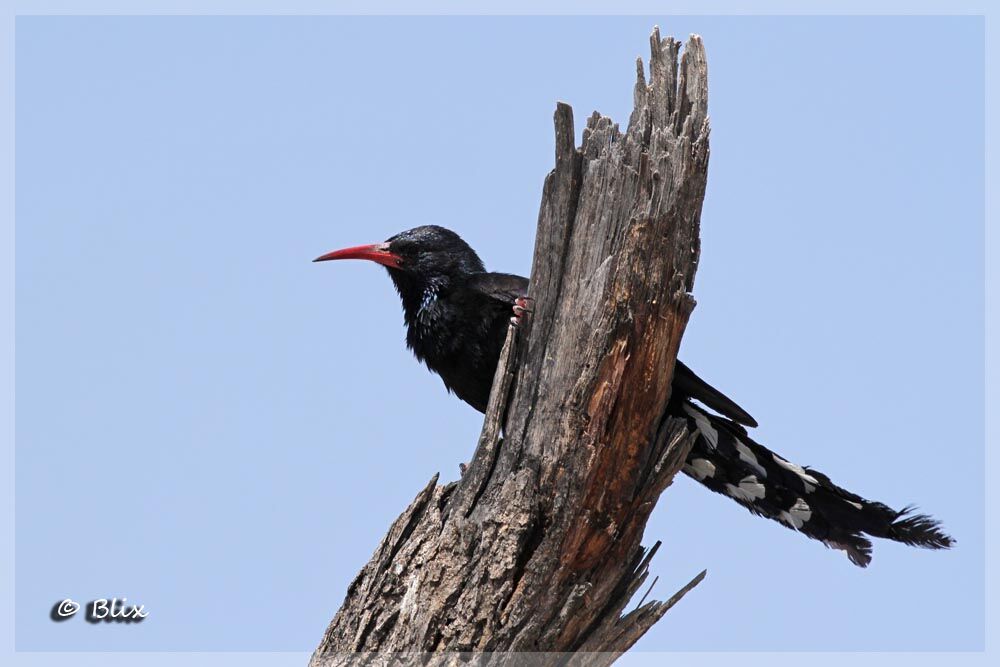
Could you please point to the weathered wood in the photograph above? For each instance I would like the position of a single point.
(537, 547)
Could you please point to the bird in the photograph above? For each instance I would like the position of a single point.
(457, 314)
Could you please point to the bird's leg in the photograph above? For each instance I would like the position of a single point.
(520, 308)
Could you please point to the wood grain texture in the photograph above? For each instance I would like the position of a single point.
(537, 547)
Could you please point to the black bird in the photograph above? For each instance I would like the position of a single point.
(457, 315)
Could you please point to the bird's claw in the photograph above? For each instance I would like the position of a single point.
(520, 308)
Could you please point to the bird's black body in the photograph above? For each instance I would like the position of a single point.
(458, 328)
(457, 315)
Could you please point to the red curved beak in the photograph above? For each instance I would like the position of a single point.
(376, 252)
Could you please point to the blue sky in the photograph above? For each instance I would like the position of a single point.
(211, 425)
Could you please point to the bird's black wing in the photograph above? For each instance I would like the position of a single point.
(686, 383)
(506, 287)
(503, 287)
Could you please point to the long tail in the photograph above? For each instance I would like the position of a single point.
(726, 460)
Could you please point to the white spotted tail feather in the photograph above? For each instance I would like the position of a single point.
(726, 460)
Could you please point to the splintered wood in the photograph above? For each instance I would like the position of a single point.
(537, 547)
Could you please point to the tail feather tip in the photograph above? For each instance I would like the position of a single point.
(857, 548)
(920, 530)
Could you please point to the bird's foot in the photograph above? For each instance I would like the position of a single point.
(520, 308)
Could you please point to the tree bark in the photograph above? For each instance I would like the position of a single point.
(537, 547)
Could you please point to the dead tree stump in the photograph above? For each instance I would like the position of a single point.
(537, 547)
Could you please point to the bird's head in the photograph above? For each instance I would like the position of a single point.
(418, 259)
(422, 252)
(427, 252)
